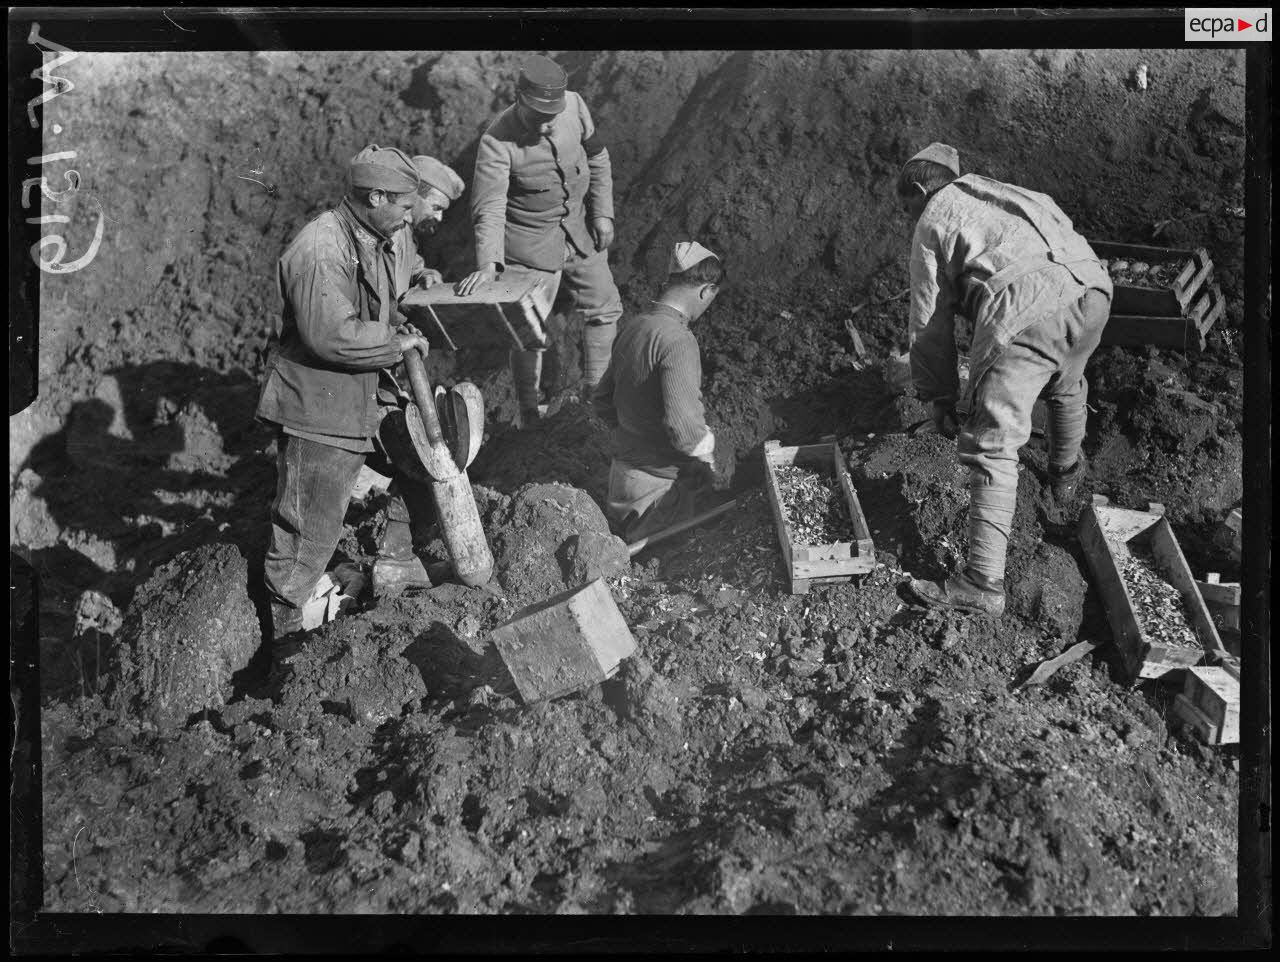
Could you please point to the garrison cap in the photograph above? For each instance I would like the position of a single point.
(383, 167)
(442, 177)
(686, 254)
(943, 154)
(542, 85)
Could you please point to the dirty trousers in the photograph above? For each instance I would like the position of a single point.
(643, 500)
(592, 292)
(1049, 357)
(313, 489)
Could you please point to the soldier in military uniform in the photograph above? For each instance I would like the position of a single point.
(542, 202)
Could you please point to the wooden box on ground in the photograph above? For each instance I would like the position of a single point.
(508, 312)
(1209, 705)
(1107, 533)
(818, 563)
(1173, 300)
(1223, 600)
(1178, 315)
(573, 640)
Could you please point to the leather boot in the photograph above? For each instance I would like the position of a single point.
(967, 591)
(1065, 483)
(285, 621)
(397, 564)
(526, 372)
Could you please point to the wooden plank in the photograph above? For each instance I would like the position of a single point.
(1111, 587)
(1195, 720)
(863, 545)
(1164, 544)
(1121, 525)
(1221, 593)
(831, 568)
(1188, 292)
(1129, 330)
(771, 450)
(1140, 252)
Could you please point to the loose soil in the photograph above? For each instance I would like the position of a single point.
(840, 752)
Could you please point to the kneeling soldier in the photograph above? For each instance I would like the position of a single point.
(651, 394)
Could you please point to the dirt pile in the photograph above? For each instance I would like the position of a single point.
(189, 629)
(549, 537)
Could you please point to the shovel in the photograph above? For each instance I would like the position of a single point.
(455, 502)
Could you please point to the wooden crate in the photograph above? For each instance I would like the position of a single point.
(508, 312)
(1106, 533)
(822, 563)
(1173, 301)
(1209, 704)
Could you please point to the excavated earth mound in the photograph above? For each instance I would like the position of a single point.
(842, 751)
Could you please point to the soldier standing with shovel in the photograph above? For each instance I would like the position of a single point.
(341, 279)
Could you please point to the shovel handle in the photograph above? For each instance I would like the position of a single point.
(635, 547)
(423, 396)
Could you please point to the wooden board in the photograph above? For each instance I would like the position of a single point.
(827, 563)
(1208, 308)
(1209, 704)
(1124, 330)
(508, 312)
(1106, 534)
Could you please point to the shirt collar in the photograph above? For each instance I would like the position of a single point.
(364, 231)
(659, 307)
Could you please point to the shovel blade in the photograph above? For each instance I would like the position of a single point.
(436, 458)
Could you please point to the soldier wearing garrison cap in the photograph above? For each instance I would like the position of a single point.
(651, 394)
(1037, 299)
(542, 202)
(327, 388)
(439, 187)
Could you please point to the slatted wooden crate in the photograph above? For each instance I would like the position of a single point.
(1107, 533)
(824, 563)
(1179, 315)
(1172, 301)
(508, 312)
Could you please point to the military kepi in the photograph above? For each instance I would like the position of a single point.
(384, 168)
(943, 154)
(686, 254)
(542, 85)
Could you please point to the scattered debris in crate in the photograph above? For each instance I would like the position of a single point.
(814, 506)
(1164, 296)
(1141, 274)
(1158, 604)
(831, 545)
